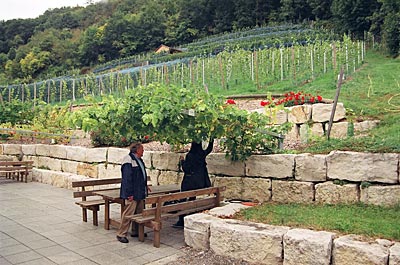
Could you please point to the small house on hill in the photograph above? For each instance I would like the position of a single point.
(167, 49)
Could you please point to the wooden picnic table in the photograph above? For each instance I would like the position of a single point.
(16, 169)
(112, 196)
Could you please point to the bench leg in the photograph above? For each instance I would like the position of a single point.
(140, 232)
(156, 240)
(157, 237)
(84, 214)
(95, 219)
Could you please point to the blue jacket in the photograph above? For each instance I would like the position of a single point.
(134, 179)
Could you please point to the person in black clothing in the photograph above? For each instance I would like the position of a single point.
(195, 172)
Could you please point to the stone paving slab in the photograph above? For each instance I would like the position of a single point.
(41, 224)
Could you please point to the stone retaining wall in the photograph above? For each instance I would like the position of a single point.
(312, 121)
(339, 177)
(267, 244)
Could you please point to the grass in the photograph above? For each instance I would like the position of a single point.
(365, 220)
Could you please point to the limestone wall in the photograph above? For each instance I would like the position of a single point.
(312, 121)
(266, 244)
(339, 177)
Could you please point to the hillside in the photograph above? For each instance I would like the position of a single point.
(70, 41)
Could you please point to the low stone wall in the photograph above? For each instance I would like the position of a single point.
(267, 244)
(312, 121)
(339, 177)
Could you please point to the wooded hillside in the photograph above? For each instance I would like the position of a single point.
(64, 41)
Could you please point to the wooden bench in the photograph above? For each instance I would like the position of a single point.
(207, 198)
(16, 169)
(88, 188)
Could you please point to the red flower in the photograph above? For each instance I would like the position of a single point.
(146, 137)
(319, 98)
(264, 103)
(230, 101)
(312, 99)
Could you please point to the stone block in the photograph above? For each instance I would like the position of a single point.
(357, 167)
(253, 242)
(303, 246)
(270, 166)
(220, 165)
(331, 193)
(351, 250)
(12, 149)
(299, 114)
(322, 112)
(292, 191)
(115, 155)
(256, 189)
(28, 149)
(87, 170)
(197, 230)
(317, 129)
(58, 151)
(166, 161)
(363, 126)
(152, 176)
(381, 195)
(147, 159)
(234, 186)
(43, 150)
(168, 177)
(394, 257)
(96, 155)
(339, 130)
(76, 153)
(108, 171)
(69, 166)
(49, 163)
(310, 167)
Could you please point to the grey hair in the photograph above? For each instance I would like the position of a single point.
(134, 147)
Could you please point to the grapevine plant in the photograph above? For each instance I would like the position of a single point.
(177, 116)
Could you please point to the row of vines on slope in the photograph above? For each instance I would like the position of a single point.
(228, 70)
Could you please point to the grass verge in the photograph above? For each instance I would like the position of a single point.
(365, 220)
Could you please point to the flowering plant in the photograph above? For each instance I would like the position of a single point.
(230, 101)
(292, 99)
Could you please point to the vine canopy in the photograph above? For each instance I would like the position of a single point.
(177, 116)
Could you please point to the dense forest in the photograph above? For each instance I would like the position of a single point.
(71, 39)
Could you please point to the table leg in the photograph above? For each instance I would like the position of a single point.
(106, 214)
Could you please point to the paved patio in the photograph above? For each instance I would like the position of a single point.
(41, 224)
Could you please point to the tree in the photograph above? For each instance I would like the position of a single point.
(320, 9)
(353, 16)
(295, 10)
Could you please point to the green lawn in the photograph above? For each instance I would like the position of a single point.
(367, 220)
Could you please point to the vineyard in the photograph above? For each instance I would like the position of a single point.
(183, 99)
(258, 59)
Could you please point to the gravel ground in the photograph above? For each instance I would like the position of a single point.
(194, 257)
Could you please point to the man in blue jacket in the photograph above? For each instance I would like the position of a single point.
(134, 189)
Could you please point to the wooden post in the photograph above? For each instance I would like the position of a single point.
(34, 94)
(73, 90)
(61, 83)
(48, 92)
(221, 71)
(334, 56)
(335, 103)
(256, 64)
